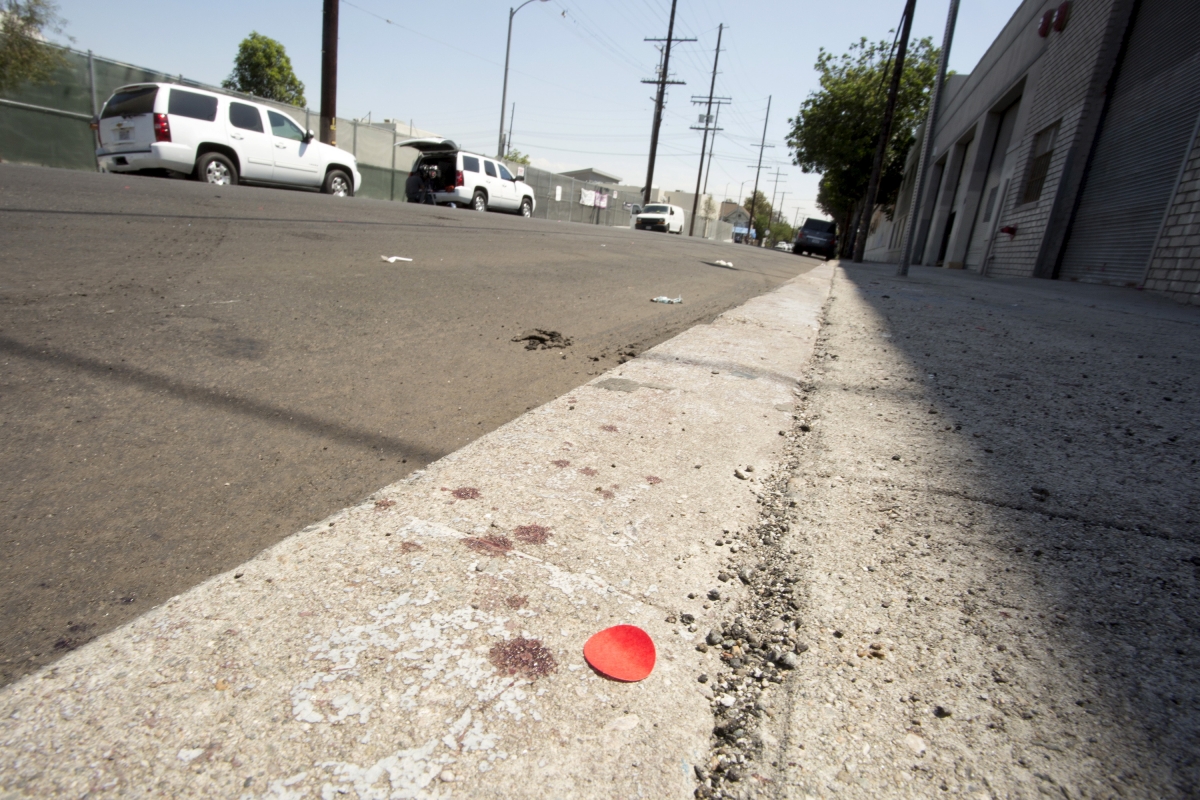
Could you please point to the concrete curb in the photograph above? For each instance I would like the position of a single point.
(427, 643)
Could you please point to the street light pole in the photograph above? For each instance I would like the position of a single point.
(512, 12)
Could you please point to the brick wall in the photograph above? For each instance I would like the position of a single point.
(1069, 90)
(1175, 266)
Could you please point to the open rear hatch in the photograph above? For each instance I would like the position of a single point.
(127, 121)
(431, 145)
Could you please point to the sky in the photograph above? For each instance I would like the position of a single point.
(575, 70)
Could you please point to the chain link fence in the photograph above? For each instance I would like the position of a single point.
(49, 125)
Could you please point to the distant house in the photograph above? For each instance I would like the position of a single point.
(734, 214)
(593, 175)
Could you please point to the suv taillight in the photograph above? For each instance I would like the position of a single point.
(458, 178)
(162, 128)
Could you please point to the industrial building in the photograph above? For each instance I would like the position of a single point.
(1070, 152)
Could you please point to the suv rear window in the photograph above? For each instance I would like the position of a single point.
(190, 104)
(470, 164)
(245, 117)
(818, 226)
(489, 168)
(131, 102)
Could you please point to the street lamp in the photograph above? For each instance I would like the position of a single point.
(512, 12)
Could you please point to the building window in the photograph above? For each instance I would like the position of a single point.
(1043, 151)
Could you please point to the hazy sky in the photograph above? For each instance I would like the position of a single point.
(576, 67)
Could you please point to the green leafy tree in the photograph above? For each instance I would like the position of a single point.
(781, 231)
(517, 157)
(836, 131)
(762, 214)
(262, 68)
(24, 55)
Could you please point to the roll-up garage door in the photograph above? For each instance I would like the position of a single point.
(1147, 129)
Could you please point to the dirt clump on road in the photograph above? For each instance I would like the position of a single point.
(541, 339)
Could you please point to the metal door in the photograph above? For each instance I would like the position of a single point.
(1146, 131)
(989, 203)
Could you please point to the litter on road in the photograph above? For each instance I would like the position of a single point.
(541, 339)
(664, 299)
(723, 263)
(394, 259)
(622, 652)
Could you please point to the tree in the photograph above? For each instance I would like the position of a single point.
(781, 231)
(517, 157)
(762, 214)
(836, 131)
(262, 68)
(24, 55)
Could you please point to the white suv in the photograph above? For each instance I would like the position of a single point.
(217, 139)
(462, 178)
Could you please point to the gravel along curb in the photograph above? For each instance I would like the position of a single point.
(978, 568)
(427, 642)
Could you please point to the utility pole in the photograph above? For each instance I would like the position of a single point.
(662, 81)
(708, 125)
(910, 226)
(758, 169)
(329, 53)
(779, 210)
(775, 191)
(711, 148)
(885, 133)
(508, 141)
(796, 221)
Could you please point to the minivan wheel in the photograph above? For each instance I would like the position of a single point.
(526, 208)
(338, 184)
(216, 169)
(479, 201)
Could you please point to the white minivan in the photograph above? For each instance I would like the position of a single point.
(466, 179)
(217, 139)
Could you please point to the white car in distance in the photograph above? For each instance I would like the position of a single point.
(660, 217)
(216, 139)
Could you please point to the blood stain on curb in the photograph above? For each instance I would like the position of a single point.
(609, 428)
(410, 547)
(524, 657)
(384, 504)
(653, 480)
(489, 545)
(516, 601)
(562, 463)
(532, 534)
(467, 493)
(588, 471)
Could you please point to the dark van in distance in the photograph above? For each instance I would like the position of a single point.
(818, 237)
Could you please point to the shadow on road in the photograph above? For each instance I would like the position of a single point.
(220, 400)
(1054, 428)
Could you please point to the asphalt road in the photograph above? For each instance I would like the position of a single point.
(189, 374)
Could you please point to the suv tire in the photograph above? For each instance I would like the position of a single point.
(338, 184)
(479, 201)
(216, 169)
(526, 208)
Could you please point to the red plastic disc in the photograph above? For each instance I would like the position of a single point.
(623, 652)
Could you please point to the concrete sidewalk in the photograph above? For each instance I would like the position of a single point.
(427, 643)
(996, 563)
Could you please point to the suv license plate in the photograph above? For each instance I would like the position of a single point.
(124, 134)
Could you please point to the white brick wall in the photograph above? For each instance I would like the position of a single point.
(1175, 266)
(1066, 91)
